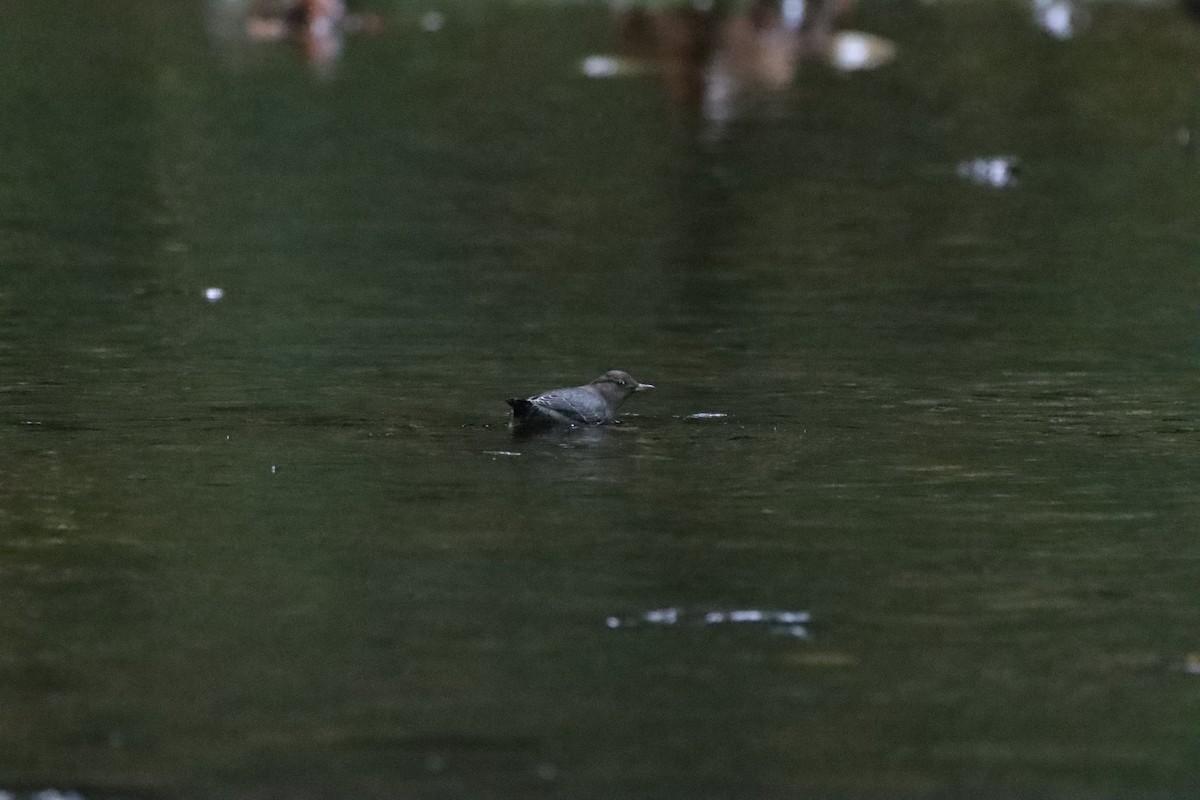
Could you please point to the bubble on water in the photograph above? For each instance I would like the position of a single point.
(214, 294)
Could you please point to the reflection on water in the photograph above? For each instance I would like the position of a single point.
(790, 623)
(700, 416)
(716, 59)
(316, 27)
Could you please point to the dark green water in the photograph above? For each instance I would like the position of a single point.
(282, 545)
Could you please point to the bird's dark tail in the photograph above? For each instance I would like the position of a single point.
(522, 408)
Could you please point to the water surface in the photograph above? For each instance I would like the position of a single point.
(282, 544)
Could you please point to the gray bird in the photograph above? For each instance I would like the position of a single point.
(593, 403)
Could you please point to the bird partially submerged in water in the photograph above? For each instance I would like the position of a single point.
(593, 403)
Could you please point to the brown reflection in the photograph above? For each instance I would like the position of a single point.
(711, 58)
(317, 27)
(717, 57)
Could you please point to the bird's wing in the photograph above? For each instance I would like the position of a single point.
(569, 406)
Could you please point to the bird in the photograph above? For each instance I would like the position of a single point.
(593, 403)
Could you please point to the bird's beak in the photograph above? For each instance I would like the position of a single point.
(644, 387)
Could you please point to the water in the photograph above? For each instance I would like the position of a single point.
(275, 540)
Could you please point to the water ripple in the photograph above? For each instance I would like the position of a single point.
(790, 623)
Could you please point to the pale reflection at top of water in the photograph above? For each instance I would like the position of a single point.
(716, 64)
(317, 28)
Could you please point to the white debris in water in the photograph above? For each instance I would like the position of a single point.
(789, 623)
(600, 66)
(998, 172)
(1057, 21)
(850, 53)
(214, 294)
(854, 51)
(603, 65)
(1062, 19)
(702, 415)
(662, 616)
(505, 453)
(432, 21)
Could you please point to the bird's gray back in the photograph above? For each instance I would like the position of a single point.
(577, 403)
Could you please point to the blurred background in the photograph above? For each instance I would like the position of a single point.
(912, 512)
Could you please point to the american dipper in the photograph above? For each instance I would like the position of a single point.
(593, 403)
